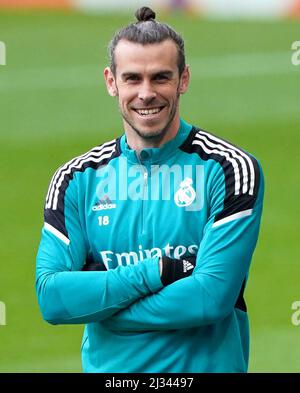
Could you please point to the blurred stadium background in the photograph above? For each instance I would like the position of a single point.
(53, 106)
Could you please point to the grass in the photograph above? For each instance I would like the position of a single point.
(53, 106)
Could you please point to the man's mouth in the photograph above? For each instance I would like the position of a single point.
(149, 111)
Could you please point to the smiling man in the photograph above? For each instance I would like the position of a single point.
(148, 82)
(148, 238)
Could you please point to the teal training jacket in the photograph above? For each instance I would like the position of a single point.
(196, 195)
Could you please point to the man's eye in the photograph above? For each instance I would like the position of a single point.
(132, 78)
(161, 78)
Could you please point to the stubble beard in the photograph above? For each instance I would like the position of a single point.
(156, 135)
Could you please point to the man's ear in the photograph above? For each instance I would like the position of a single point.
(184, 80)
(110, 82)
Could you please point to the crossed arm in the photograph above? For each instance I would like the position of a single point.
(133, 298)
(211, 292)
(205, 297)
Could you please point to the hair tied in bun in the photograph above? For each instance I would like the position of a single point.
(144, 14)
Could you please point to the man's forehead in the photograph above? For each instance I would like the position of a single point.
(158, 56)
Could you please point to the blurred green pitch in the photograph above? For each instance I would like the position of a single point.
(53, 106)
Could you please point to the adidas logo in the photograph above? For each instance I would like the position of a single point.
(104, 204)
(187, 266)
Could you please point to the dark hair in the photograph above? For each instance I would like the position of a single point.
(147, 31)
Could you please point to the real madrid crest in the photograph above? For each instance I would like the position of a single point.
(186, 194)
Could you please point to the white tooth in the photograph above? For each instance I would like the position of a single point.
(148, 111)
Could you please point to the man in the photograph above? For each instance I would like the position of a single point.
(126, 223)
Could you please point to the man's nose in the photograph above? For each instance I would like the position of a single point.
(146, 92)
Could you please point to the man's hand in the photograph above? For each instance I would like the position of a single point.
(174, 269)
(170, 269)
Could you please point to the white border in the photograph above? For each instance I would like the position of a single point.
(233, 217)
(58, 234)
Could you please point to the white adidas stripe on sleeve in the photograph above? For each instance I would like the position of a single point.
(70, 164)
(241, 152)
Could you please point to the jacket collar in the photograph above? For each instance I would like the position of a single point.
(156, 154)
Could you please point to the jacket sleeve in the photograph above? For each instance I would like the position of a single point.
(223, 260)
(67, 295)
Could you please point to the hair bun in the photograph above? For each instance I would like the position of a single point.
(144, 13)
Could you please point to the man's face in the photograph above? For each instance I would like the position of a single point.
(148, 86)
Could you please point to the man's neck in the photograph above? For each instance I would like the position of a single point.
(137, 143)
